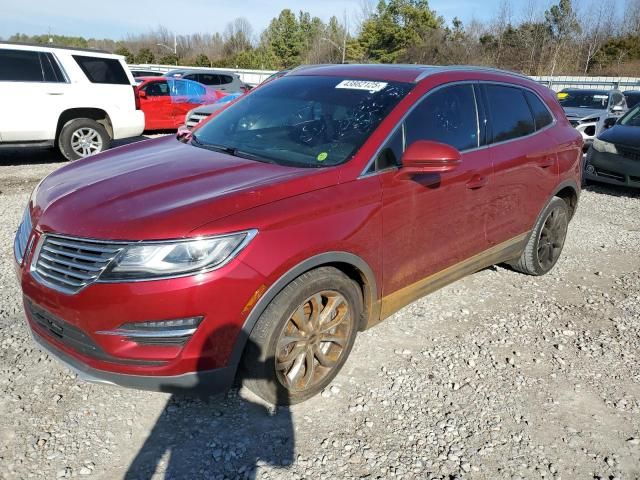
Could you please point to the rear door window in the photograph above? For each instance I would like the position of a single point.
(20, 66)
(102, 70)
(541, 115)
(156, 89)
(225, 79)
(208, 79)
(448, 115)
(510, 114)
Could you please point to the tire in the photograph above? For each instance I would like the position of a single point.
(75, 131)
(290, 316)
(546, 241)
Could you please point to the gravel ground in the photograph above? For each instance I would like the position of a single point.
(497, 376)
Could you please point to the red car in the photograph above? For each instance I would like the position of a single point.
(311, 209)
(166, 101)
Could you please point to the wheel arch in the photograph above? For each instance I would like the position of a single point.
(570, 193)
(351, 265)
(97, 114)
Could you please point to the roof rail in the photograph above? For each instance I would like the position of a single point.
(474, 68)
(47, 45)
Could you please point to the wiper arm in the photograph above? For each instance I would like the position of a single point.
(233, 151)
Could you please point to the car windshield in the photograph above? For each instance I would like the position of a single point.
(594, 99)
(303, 121)
(631, 118)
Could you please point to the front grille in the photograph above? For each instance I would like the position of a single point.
(195, 118)
(631, 153)
(75, 338)
(22, 236)
(69, 264)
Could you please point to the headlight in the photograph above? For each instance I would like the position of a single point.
(165, 259)
(602, 146)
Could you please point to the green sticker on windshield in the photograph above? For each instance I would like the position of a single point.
(322, 156)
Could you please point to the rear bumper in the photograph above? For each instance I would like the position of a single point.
(129, 124)
(210, 382)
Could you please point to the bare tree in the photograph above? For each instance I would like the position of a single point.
(597, 28)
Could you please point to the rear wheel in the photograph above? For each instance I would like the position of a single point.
(81, 138)
(304, 337)
(546, 241)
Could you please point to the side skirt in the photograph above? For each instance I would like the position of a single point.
(499, 253)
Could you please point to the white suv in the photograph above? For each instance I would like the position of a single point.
(78, 100)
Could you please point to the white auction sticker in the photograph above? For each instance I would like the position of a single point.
(362, 85)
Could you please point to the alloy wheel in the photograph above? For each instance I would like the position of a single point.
(86, 141)
(552, 237)
(313, 340)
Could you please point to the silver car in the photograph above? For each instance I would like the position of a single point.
(196, 115)
(587, 110)
(227, 82)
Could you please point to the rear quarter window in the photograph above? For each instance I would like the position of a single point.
(541, 115)
(510, 114)
(225, 79)
(102, 70)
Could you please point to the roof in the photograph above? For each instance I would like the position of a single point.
(393, 72)
(55, 47)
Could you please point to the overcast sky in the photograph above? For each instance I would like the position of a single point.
(115, 18)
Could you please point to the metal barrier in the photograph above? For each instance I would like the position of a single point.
(557, 83)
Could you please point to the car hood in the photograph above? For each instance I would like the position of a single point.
(575, 113)
(162, 188)
(622, 135)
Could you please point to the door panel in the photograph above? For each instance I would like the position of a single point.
(157, 106)
(524, 161)
(434, 221)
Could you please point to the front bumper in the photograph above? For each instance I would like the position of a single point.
(612, 168)
(72, 327)
(210, 382)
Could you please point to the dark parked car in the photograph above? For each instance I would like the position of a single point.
(309, 210)
(614, 157)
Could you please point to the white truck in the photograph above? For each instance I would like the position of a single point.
(74, 99)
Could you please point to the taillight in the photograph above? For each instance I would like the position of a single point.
(136, 97)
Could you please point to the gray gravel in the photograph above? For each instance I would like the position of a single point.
(497, 376)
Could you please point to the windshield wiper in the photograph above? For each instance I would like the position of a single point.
(233, 151)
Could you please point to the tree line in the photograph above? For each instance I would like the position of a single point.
(569, 37)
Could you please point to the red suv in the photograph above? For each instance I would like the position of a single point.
(311, 209)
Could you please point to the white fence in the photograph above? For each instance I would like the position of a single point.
(557, 83)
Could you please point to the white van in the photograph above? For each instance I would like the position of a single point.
(77, 100)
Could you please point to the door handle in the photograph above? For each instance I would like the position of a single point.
(547, 161)
(477, 181)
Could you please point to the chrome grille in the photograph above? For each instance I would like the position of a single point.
(22, 236)
(69, 264)
(195, 118)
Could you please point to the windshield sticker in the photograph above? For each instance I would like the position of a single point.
(322, 156)
(371, 87)
(562, 95)
(600, 97)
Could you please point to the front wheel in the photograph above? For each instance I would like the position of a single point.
(303, 338)
(82, 137)
(546, 241)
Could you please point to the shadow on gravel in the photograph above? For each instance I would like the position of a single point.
(39, 155)
(223, 436)
(613, 190)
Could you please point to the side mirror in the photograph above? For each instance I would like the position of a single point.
(610, 122)
(142, 94)
(425, 156)
(617, 109)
